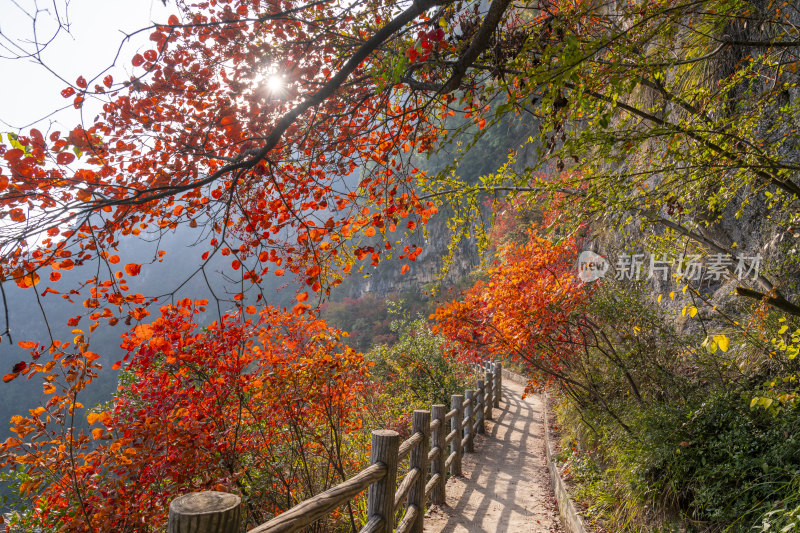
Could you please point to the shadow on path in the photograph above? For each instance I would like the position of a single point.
(505, 487)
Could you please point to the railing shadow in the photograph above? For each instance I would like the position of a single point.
(495, 494)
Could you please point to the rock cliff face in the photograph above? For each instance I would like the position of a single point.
(386, 278)
(486, 156)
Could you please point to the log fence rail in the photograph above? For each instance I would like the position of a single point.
(432, 450)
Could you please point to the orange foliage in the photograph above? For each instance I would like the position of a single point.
(246, 405)
(192, 140)
(525, 309)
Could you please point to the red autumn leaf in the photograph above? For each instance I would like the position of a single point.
(151, 55)
(144, 332)
(81, 82)
(133, 269)
(27, 281)
(65, 158)
(66, 93)
(108, 81)
(137, 60)
(15, 154)
(18, 215)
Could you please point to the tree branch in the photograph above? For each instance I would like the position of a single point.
(775, 301)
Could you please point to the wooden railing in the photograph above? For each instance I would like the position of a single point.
(388, 492)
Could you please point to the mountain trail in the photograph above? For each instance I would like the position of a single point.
(505, 487)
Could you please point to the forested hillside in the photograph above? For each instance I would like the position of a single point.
(603, 195)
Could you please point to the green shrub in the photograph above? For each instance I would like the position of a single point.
(716, 462)
(416, 365)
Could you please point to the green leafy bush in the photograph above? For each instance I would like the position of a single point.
(687, 447)
(415, 367)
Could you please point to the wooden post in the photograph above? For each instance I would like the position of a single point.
(488, 397)
(380, 494)
(438, 495)
(205, 512)
(457, 403)
(420, 423)
(469, 394)
(498, 383)
(479, 409)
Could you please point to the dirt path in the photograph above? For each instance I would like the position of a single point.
(506, 487)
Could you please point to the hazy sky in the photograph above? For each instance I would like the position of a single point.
(28, 92)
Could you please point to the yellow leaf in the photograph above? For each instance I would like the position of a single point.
(722, 341)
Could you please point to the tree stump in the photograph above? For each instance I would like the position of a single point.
(205, 512)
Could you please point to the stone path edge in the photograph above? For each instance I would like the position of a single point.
(570, 519)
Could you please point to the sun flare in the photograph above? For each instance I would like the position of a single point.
(275, 83)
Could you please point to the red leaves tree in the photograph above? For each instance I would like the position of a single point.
(526, 310)
(285, 176)
(281, 134)
(256, 405)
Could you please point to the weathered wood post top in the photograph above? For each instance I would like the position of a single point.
(205, 512)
